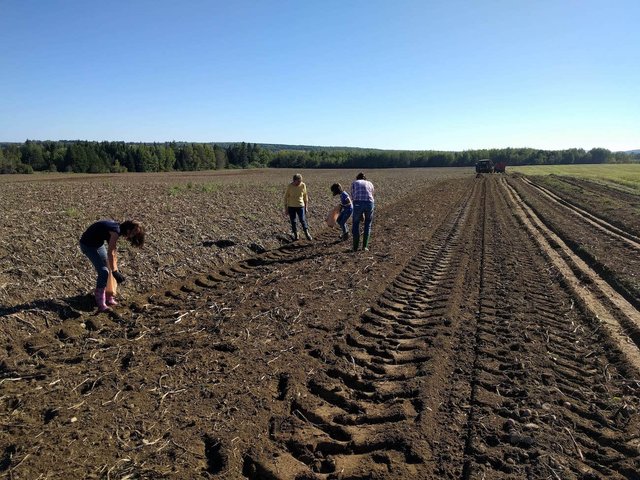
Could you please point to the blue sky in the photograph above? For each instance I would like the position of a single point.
(397, 74)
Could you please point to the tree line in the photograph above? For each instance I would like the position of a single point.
(115, 157)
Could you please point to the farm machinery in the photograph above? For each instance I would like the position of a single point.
(487, 166)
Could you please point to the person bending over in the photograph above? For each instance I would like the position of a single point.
(98, 243)
(346, 209)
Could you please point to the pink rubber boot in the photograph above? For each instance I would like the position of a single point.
(101, 300)
(110, 299)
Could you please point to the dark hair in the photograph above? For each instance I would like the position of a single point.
(336, 189)
(297, 176)
(361, 176)
(134, 232)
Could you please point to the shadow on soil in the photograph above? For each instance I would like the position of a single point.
(65, 308)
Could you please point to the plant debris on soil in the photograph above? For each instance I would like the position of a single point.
(456, 347)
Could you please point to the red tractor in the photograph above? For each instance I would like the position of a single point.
(500, 167)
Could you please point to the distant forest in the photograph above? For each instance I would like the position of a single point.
(104, 157)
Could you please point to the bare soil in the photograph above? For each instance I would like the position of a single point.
(620, 207)
(452, 349)
(616, 257)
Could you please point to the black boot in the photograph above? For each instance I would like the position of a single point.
(356, 243)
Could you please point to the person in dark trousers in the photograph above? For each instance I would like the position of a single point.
(363, 205)
(296, 201)
(104, 257)
(346, 209)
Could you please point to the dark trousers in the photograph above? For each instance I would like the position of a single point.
(299, 212)
(360, 208)
(342, 219)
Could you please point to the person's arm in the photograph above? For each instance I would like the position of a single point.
(112, 255)
(286, 200)
(305, 197)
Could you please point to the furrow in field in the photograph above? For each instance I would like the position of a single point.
(615, 258)
(547, 390)
(621, 318)
(632, 240)
(363, 414)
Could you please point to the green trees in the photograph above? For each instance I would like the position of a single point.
(75, 160)
(10, 160)
(168, 158)
(600, 155)
(101, 157)
(6, 166)
(32, 154)
(221, 157)
(238, 155)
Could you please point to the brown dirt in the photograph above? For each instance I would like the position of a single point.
(620, 207)
(452, 349)
(613, 256)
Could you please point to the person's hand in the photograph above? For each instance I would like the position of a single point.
(118, 277)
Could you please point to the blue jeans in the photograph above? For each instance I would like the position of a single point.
(299, 211)
(342, 219)
(98, 257)
(360, 207)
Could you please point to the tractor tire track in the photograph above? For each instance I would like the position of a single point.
(476, 358)
(364, 414)
(159, 379)
(546, 394)
(545, 383)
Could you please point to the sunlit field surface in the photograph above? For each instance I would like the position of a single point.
(625, 175)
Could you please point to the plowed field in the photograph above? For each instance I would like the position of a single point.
(491, 332)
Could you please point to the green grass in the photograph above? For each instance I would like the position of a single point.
(175, 190)
(625, 175)
(72, 212)
(209, 187)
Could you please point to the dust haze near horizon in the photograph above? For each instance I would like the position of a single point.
(405, 75)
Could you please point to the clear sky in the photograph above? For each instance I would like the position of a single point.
(392, 74)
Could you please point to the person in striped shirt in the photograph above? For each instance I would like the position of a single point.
(363, 205)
